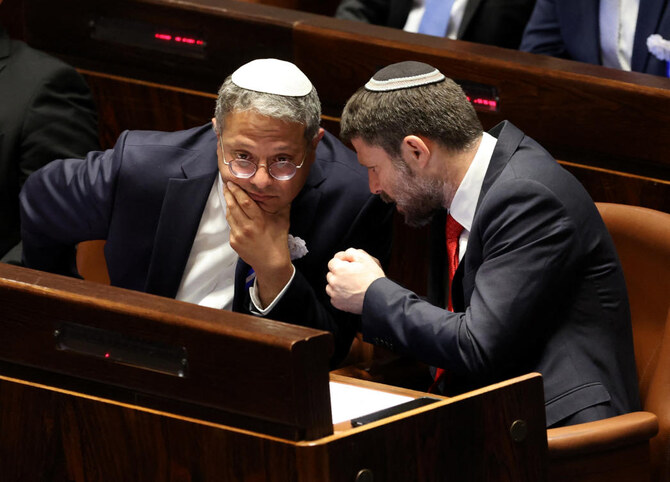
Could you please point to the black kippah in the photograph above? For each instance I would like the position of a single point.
(404, 75)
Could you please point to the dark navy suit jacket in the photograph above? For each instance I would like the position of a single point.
(570, 29)
(491, 22)
(146, 197)
(539, 288)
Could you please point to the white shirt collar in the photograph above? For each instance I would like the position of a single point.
(465, 200)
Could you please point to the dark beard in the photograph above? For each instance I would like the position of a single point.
(418, 200)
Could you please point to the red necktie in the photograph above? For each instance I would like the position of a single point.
(454, 231)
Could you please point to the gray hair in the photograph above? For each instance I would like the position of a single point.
(438, 111)
(305, 110)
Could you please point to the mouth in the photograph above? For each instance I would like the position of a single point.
(259, 198)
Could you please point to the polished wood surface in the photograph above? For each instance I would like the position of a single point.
(232, 361)
(54, 434)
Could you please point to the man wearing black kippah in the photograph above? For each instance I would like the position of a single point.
(536, 284)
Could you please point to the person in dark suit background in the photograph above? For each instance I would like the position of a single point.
(537, 284)
(491, 22)
(613, 34)
(46, 112)
(242, 213)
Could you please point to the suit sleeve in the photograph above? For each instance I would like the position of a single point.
(64, 203)
(60, 123)
(543, 33)
(526, 245)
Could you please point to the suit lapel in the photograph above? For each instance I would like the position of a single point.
(509, 137)
(468, 13)
(304, 206)
(590, 27)
(182, 209)
(649, 18)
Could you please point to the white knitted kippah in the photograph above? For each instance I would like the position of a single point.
(404, 75)
(272, 76)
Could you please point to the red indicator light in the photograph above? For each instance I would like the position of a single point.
(490, 104)
(107, 355)
(179, 39)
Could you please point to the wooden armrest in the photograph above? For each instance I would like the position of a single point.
(602, 435)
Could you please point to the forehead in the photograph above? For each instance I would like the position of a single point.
(255, 130)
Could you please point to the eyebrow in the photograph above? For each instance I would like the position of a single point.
(282, 149)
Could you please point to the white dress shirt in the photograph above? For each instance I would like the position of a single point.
(209, 276)
(465, 200)
(617, 21)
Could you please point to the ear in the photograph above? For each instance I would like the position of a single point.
(318, 137)
(214, 124)
(416, 151)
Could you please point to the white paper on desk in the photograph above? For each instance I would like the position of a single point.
(350, 401)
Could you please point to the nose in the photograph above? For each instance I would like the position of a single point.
(373, 183)
(262, 178)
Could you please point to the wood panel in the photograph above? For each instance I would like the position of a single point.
(575, 107)
(51, 434)
(214, 364)
(125, 103)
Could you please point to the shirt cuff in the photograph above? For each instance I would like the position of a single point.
(255, 302)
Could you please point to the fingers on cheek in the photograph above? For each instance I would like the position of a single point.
(245, 203)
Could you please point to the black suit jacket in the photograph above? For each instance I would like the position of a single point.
(539, 288)
(146, 197)
(46, 112)
(571, 29)
(492, 22)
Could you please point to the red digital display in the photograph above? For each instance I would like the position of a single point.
(166, 37)
(486, 104)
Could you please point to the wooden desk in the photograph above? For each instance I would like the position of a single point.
(68, 412)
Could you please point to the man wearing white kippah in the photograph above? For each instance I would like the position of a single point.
(242, 213)
(524, 275)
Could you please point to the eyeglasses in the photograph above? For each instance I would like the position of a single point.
(279, 170)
